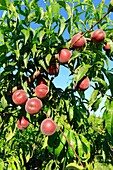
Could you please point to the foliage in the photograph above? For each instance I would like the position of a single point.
(30, 36)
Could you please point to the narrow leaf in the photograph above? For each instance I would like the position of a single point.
(93, 97)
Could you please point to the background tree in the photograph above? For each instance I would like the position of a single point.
(47, 127)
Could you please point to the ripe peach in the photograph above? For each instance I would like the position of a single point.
(22, 123)
(98, 36)
(33, 105)
(64, 56)
(106, 47)
(78, 44)
(41, 91)
(48, 127)
(53, 69)
(19, 97)
(83, 84)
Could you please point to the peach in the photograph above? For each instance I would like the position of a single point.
(78, 44)
(33, 105)
(48, 127)
(64, 56)
(22, 123)
(106, 47)
(98, 36)
(53, 69)
(19, 97)
(83, 84)
(41, 91)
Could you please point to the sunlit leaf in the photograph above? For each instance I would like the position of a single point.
(26, 33)
(48, 59)
(1, 164)
(4, 102)
(74, 166)
(55, 10)
(80, 72)
(108, 116)
(93, 97)
(72, 139)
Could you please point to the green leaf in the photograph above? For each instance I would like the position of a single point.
(28, 156)
(3, 7)
(75, 55)
(96, 104)
(101, 81)
(4, 102)
(34, 50)
(79, 146)
(16, 160)
(3, 48)
(62, 143)
(110, 8)
(49, 165)
(45, 144)
(55, 10)
(26, 33)
(1, 164)
(110, 79)
(3, 2)
(93, 97)
(31, 16)
(41, 35)
(62, 26)
(10, 134)
(74, 166)
(71, 112)
(26, 58)
(81, 71)
(108, 116)
(48, 59)
(86, 148)
(42, 63)
(72, 140)
(17, 52)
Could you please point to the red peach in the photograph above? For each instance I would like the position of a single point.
(78, 44)
(53, 69)
(19, 97)
(98, 36)
(41, 91)
(48, 127)
(83, 84)
(33, 105)
(64, 56)
(22, 123)
(106, 47)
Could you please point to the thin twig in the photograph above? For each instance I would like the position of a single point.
(72, 147)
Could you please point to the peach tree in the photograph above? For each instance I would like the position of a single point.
(42, 126)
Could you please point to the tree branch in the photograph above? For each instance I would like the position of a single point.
(72, 147)
(71, 45)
